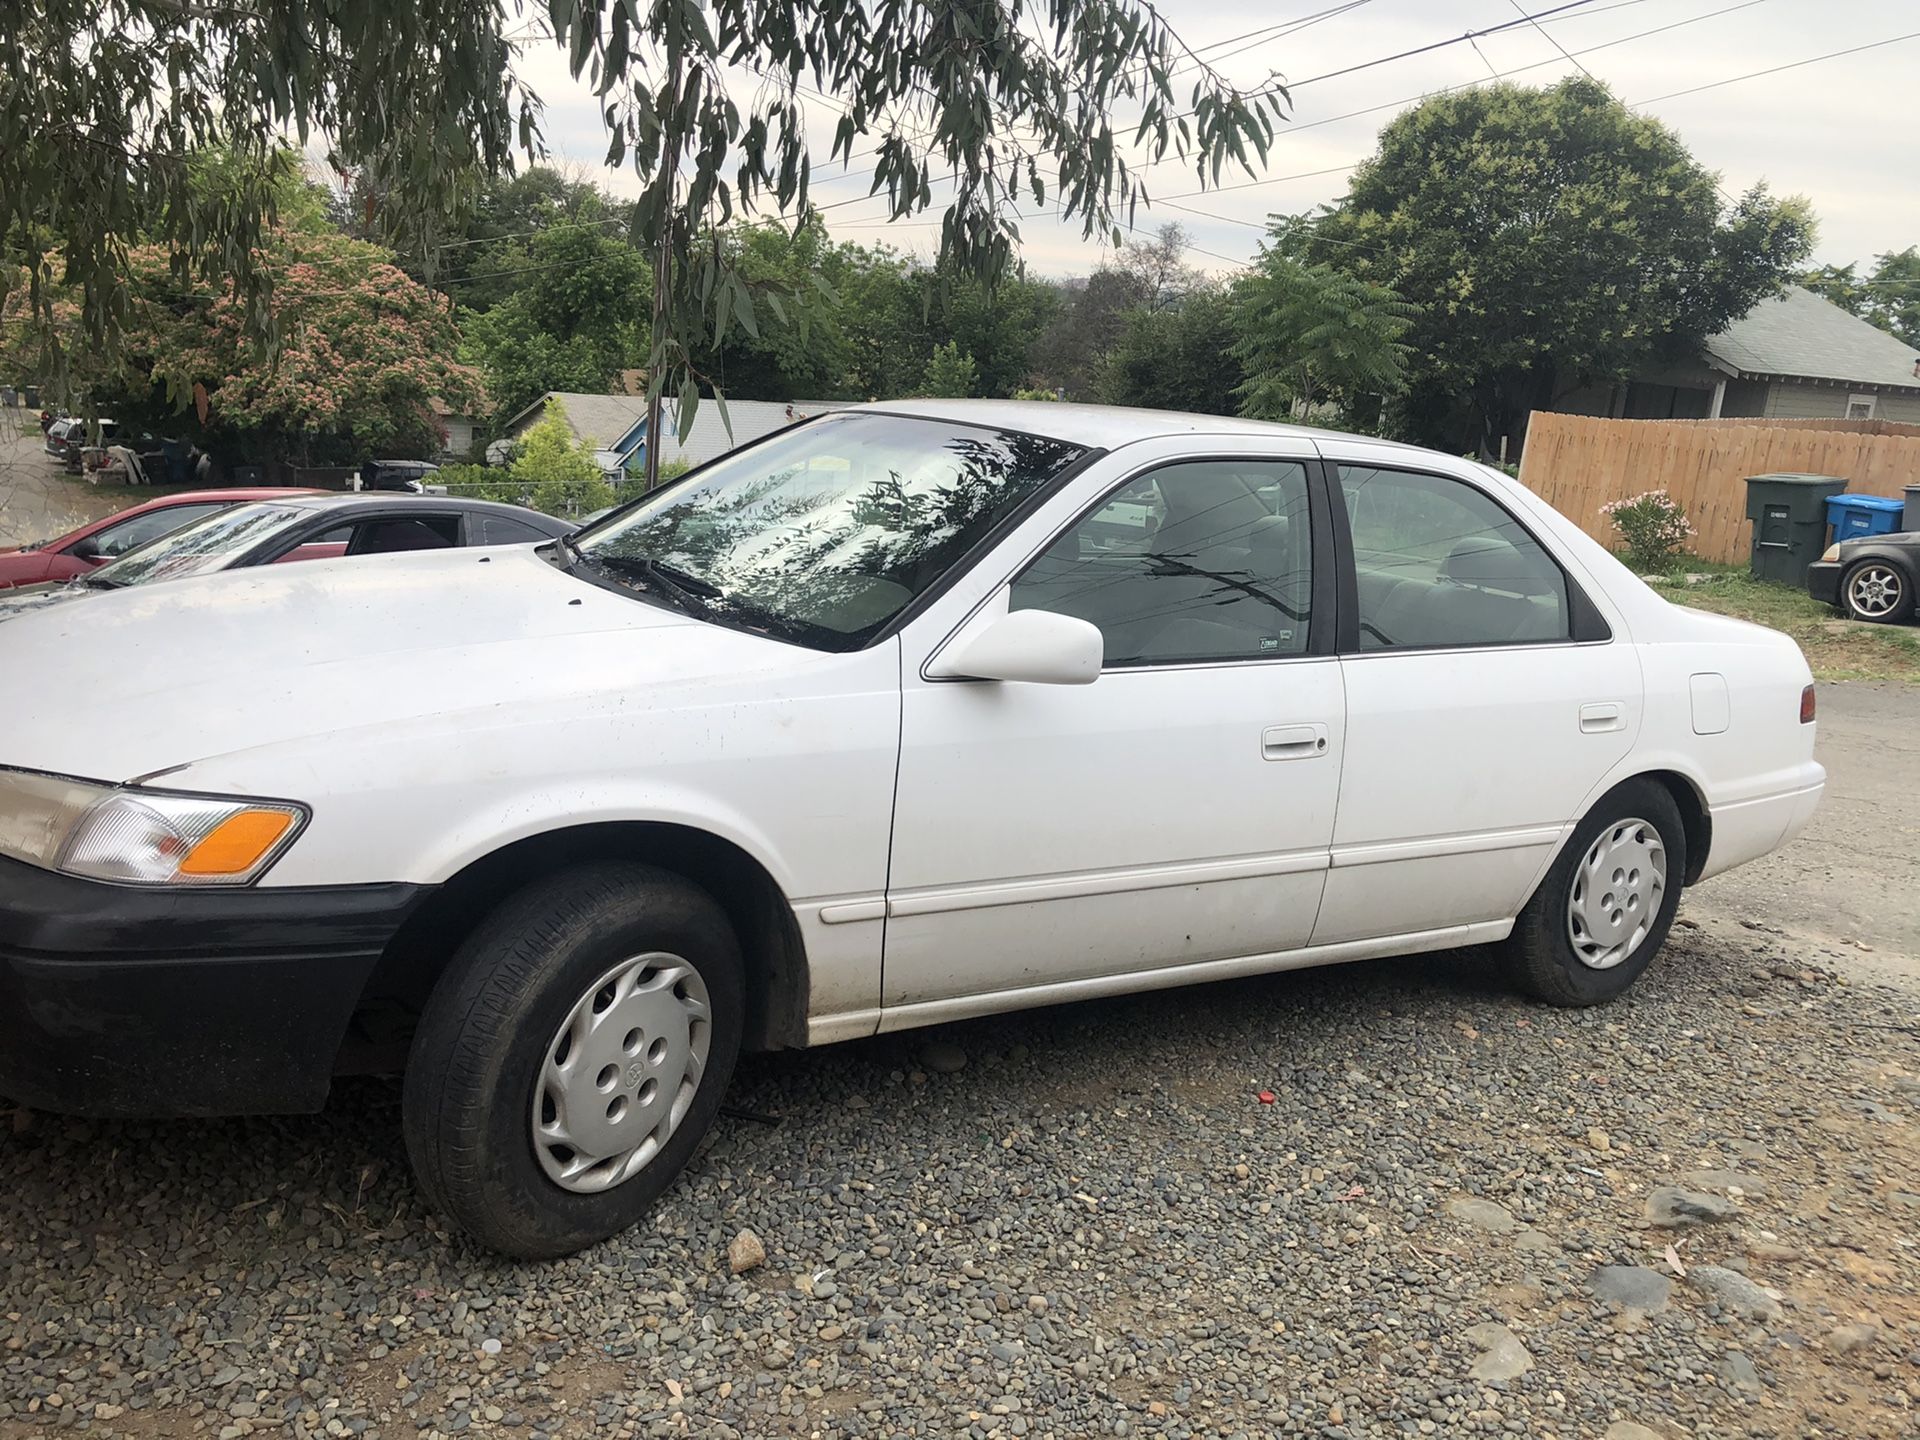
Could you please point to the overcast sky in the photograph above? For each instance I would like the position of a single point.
(1841, 132)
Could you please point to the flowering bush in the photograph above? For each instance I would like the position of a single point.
(1653, 528)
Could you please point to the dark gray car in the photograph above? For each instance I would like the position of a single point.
(301, 527)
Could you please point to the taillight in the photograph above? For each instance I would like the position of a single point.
(1806, 706)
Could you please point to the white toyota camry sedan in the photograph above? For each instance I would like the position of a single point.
(907, 713)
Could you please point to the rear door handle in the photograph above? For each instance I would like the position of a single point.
(1599, 719)
(1293, 742)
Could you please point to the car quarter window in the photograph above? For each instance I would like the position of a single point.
(504, 530)
(1201, 560)
(1439, 562)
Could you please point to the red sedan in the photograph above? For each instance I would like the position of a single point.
(93, 544)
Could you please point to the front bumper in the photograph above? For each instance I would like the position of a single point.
(1823, 581)
(122, 1001)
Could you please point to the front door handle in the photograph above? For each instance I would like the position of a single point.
(1602, 718)
(1293, 742)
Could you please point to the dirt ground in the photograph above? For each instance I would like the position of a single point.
(37, 501)
(1852, 879)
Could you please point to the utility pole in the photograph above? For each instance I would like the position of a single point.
(663, 261)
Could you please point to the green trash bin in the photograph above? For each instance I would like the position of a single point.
(1789, 515)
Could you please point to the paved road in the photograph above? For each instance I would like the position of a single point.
(38, 501)
(1854, 875)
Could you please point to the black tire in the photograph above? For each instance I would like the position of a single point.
(1540, 955)
(1902, 606)
(467, 1104)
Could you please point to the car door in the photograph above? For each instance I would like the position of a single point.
(1487, 695)
(1051, 840)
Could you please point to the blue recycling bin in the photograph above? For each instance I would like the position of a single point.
(1852, 516)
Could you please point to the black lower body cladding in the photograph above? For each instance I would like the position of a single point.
(127, 1001)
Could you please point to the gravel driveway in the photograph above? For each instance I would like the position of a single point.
(1093, 1226)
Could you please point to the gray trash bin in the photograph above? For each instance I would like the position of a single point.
(1789, 515)
(1910, 517)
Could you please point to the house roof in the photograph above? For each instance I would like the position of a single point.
(1799, 335)
(750, 419)
(599, 420)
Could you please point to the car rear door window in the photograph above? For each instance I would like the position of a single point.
(394, 533)
(1199, 561)
(1441, 563)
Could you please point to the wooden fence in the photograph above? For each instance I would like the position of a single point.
(1577, 463)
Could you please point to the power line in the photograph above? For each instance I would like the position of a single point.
(1775, 70)
(1469, 36)
(1450, 89)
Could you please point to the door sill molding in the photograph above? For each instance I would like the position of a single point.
(849, 1025)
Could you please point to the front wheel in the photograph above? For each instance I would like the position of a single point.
(572, 1056)
(1604, 909)
(1876, 591)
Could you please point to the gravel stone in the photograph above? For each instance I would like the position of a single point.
(1847, 1339)
(1734, 1292)
(1633, 1287)
(1737, 1370)
(1483, 1214)
(745, 1252)
(1674, 1208)
(1503, 1357)
(1208, 1265)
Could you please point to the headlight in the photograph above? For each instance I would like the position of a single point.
(141, 837)
(1830, 554)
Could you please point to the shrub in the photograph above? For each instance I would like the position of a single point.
(1653, 529)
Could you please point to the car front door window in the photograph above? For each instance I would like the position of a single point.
(1201, 561)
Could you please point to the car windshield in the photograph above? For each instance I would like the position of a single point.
(824, 533)
(211, 544)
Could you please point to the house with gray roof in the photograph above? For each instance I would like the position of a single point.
(615, 426)
(1794, 357)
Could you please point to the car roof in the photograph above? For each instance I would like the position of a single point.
(1105, 426)
(362, 499)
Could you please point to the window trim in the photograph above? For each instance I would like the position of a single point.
(1320, 635)
(1585, 623)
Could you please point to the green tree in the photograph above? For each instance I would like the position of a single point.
(1888, 297)
(1311, 335)
(950, 373)
(1178, 358)
(1550, 239)
(577, 319)
(1090, 317)
(1841, 284)
(364, 352)
(555, 472)
(100, 101)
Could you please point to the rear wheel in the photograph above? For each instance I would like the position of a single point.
(1604, 910)
(572, 1056)
(1877, 591)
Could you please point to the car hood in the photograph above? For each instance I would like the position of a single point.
(19, 600)
(154, 678)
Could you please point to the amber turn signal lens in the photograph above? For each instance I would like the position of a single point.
(237, 843)
(1806, 706)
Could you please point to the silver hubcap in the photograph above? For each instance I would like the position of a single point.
(1874, 590)
(621, 1072)
(1617, 892)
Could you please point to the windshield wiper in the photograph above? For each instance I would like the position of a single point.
(98, 582)
(668, 577)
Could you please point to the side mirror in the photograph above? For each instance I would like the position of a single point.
(1036, 646)
(87, 550)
